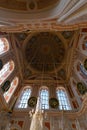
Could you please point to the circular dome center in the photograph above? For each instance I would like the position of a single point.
(45, 51)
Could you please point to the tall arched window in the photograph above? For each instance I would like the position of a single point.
(44, 97)
(7, 95)
(6, 71)
(64, 103)
(4, 45)
(23, 99)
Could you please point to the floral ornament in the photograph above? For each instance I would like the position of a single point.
(32, 101)
(1, 64)
(53, 102)
(81, 88)
(85, 64)
(6, 86)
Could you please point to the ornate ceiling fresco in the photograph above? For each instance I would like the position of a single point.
(59, 19)
(48, 44)
(23, 15)
(27, 5)
(46, 53)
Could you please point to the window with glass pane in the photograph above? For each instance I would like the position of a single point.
(24, 98)
(83, 70)
(63, 100)
(6, 71)
(7, 95)
(44, 97)
(86, 44)
(4, 45)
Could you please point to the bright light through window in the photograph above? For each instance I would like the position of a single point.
(4, 46)
(44, 97)
(23, 100)
(6, 71)
(63, 100)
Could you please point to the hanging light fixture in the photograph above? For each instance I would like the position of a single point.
(37, 116)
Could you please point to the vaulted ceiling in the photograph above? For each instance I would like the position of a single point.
(47, 54)
(45, 36)
(20, 15)
(27, 5)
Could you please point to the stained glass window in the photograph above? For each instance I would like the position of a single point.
(6, 71)
(63, 99)
(4, 45)
(13, 86)
(44, 97)
(23, 100)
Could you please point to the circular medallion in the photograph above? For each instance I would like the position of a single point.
(32, 101)
(81, 88)
(53, 102)
(6, 86)
(31, 5)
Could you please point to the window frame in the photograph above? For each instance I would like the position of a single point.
(7, 72)
(6, 94)
(5, 45)
(64, 102)
(44, 106)
(18, 104)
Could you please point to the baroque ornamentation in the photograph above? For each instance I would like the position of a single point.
(81, 88)
(32, 101)
(53, 102)
(43, 49)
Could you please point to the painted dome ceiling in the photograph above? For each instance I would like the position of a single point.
(27, 5)
(45, 51)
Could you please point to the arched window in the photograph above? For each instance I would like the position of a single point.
(83, 70)
(44, 97)
(23, 99)
(6, 71)
(7, 95)
(63, 99)
(4, 45)
(85, 44)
